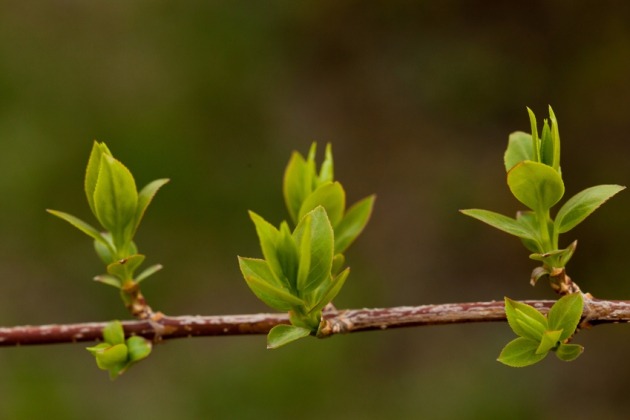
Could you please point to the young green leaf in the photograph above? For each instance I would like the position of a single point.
(113, 333)
(145, 196)
(329, 195)
(260, 269)
(297, 184)
(501, 222)
(569, 352)
(353, 223)
(109, 280)
(565, 314)
(520, 148)
(139, 348)
(147, 272)
(553, 151)
(536, 185)
(549, 341)
(329, 290)
(111, 357)
(273, 296)
(124, 268)
(281, 335)
(116, 200)
(317, 228)
(326, 172)
(534, 136)
(269, 237)
(81, 225)
(92, 171)
(581, 205)
(521, 352)
(525, 320)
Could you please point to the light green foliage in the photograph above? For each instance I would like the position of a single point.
(532, 163)
(115, 354)
(538, 335)
(304, 189)
(111, 193)
(302, 270)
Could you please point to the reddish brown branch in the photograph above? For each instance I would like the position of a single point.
(336, 322)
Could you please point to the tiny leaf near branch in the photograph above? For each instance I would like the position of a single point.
(536, 185)
(548, 341)
(521, 352)
(581, 205)
(568, 352)
(565, 314)
(113, 333)
(520, 148)
(283, 334)
(124, 268)
(139, 348)
(503, 223)
(526, 314)
(353, 223)
(147, 272)
(329, 290)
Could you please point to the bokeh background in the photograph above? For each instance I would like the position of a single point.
(417, 98)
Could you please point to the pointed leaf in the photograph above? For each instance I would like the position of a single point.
(525, 320)
(304, 243)
(331, 196)
(260, 269)
(549, 341)
(520, 148)
(297, 184)
(501, 222)
(287, 253)
(554, 151)
(108, 280)
(326, 172)
(353, 223)
(149, 271)
(269, 237)
(520, 352)
(581, 205)
(124, 268)
(273, 296)
(329, 290)
(116, 200)
(321, 248)
(536, 185)
(565, 314)
(281, 335)
(80, 224)
(92, 171)
(145, 196)
(569, 352)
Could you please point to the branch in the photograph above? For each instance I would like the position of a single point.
(335, 322)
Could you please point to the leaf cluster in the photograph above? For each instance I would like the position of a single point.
(302, 270)
(115, 354)
(112, 196)
(538, 335)
(534, 177)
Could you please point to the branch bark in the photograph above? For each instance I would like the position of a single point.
(596, 312)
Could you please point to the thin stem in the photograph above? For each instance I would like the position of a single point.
(335, 322)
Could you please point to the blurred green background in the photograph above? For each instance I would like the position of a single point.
(418, 99)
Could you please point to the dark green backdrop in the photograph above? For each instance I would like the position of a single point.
(418, 99)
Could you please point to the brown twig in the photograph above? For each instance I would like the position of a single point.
(335, 322)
